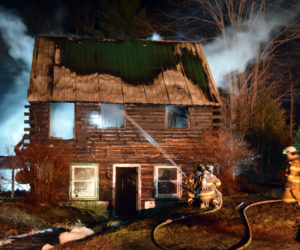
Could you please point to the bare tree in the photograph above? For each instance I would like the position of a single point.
(233, 13)
(233, 22)
(254, 94)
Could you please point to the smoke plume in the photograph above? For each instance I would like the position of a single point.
(20, 48)
(155, 37)
(240, 48)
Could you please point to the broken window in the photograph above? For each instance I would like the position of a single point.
(167, 180)
(62, 120)
(111, 116)
(177, 116)
(84, 181)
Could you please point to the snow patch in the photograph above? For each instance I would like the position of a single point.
(5, 242)
(76, 233)
(47, 246)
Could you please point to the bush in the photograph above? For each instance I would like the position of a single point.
(229, 153)
(44, 168)
(297, 139)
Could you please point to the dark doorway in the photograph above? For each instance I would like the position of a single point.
(126, 191)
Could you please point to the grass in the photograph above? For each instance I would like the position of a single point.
(275, 226)
(23, 217)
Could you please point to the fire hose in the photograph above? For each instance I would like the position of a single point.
(169, 221)
(243, 246)
(247, 221)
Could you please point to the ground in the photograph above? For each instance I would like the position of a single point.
(274, 226)
(19, 217)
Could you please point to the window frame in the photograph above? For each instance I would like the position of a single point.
(74, 122)
(99, 113)
(188, 117)
(178, 181)
(95, 166)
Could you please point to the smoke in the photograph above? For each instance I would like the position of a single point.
(111, 115)
(20, 48)
(155, 36)
(240, 48)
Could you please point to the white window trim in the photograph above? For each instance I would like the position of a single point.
(178, 181)
(96, 180)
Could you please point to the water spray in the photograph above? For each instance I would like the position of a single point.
(154, 143)
(96, 120)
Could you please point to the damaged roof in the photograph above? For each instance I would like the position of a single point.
(121, 71)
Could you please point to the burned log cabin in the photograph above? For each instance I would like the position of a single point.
(133, 113)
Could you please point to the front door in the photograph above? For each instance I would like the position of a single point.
(126, 191)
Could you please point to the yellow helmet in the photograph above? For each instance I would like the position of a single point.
(201, 167)
(210, 168)
(291, 153)
(290, 150)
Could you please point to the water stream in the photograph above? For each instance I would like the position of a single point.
(115, 112)
(154, 143)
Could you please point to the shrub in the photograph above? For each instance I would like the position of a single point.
(230, 154)
(297, 139)
(43, 168)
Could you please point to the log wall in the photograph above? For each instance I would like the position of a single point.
(127, 145)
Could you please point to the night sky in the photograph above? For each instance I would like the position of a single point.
(28, 18)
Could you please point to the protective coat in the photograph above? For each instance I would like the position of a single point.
(208, 194)
(193, 185)
(292, 190)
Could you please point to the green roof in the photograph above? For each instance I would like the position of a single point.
(82, 69)
(136, 62)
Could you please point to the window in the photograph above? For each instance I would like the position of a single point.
(167, 182)
(84, 181)
(62, 120)
(111, 116)
(177, 116)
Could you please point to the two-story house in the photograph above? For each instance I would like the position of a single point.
(134, 113)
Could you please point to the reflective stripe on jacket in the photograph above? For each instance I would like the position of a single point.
(294, 172)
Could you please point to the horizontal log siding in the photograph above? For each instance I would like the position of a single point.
(128, 145)
(39, 120)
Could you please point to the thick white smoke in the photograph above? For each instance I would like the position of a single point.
(20, 48)
(239, 48)
(155, 36)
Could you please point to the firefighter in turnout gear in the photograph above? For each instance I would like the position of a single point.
(292, 187)
(193, 185)
(209, 195)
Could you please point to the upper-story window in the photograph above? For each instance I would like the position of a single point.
(177, 116)
(62, 120)
(111, 115)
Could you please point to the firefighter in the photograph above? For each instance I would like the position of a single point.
(209, 195)
(193, 185)
(292, 187)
